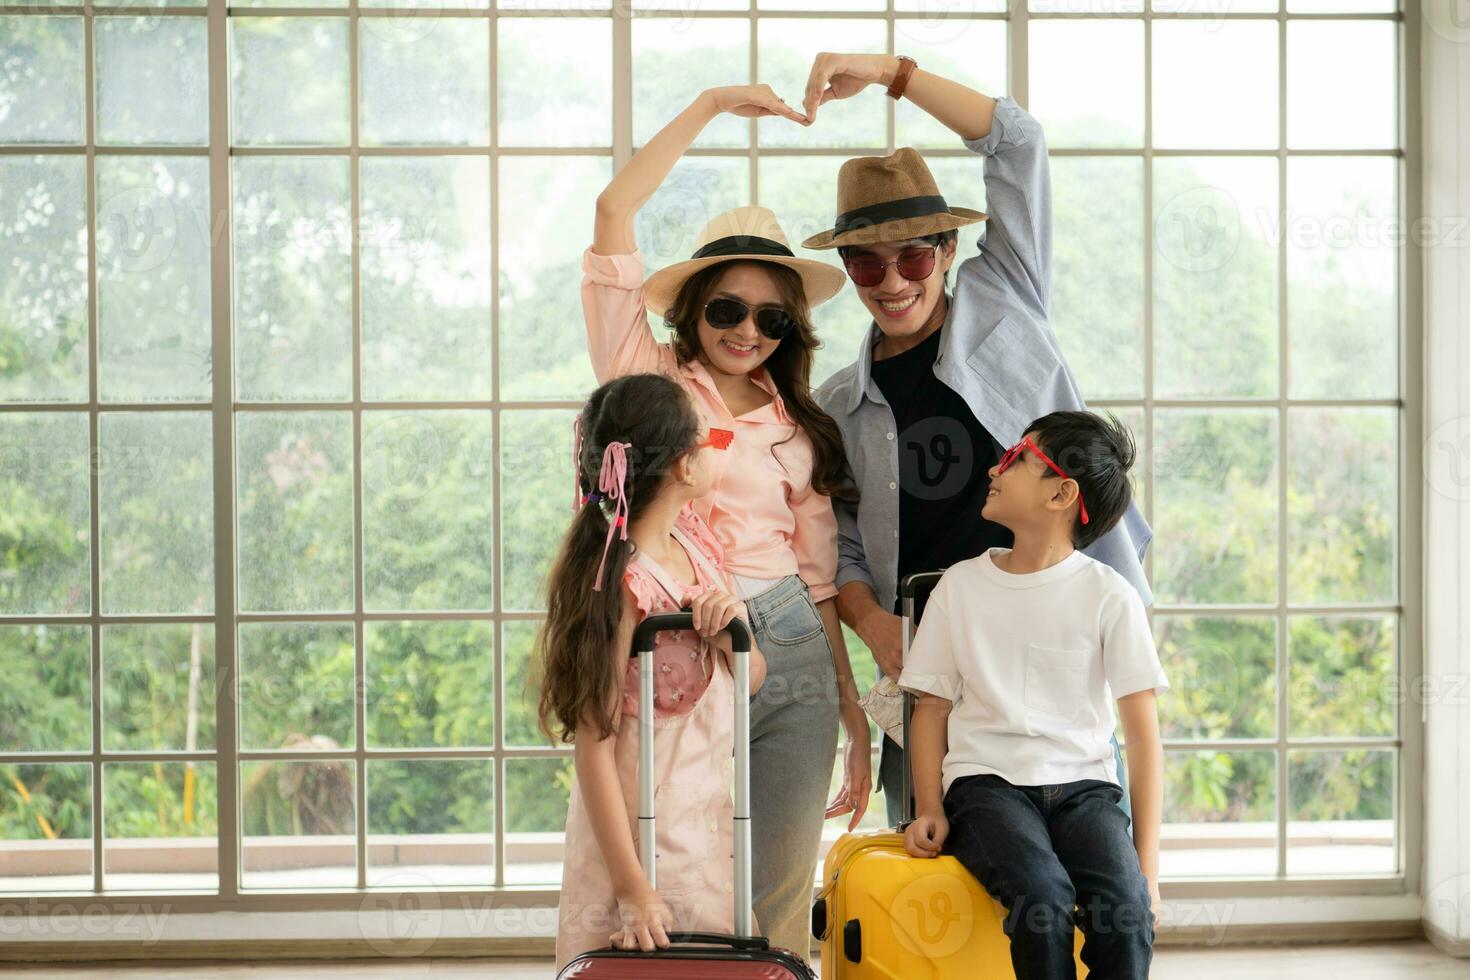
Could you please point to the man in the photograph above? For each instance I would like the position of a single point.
(942, 382)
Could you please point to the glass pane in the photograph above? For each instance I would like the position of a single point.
(156, 509)
(425, 80)
(1219, 815)
(1227, 676)
(1341, 86)
(153, 291)
(46, 701)
(431, 823)
(1343, 508)
(45, 828)
(1343, 681)
(1216, 513)
(425, 278)
(820, 5)
(536, 477)
(43, 248)
(42, 98)
(296, 686)
(294, 473)
(1191, 108)
(521, 692)
(1097, 294)
(158, 687)
(158, 3)
(1233, 7)
(536, 794)
(1342, 813)
(1216, 308)
(1341, 277)
(545, 224)
(697, 189)
(292, 248)
(43, 480)
(787, 49)
(555, 83)
(427, 495)
(297, 824)
(162, 825)
(1087, 81)
(949, 10)
(972, 52)
(430, 685)
(152, 80)
(1341, 6)
(803, 193)
(289, 81)
(674, 58)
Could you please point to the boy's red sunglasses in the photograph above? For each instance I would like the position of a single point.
(1014, 453)
(718, 438)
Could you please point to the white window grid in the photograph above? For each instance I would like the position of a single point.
(1406, 743)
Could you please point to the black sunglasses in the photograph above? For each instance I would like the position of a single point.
(724, 313)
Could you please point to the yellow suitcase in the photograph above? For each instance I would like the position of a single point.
(882, 914)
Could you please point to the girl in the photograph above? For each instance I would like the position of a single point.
(742, 346)
(640, 460)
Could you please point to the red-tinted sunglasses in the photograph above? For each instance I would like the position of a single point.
(868, 270)
(1014, 453)
(718, 438)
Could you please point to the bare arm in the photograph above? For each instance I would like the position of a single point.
(857, 763)
(1140, 716)
(880, 629)
(641, 177)
(926, 744)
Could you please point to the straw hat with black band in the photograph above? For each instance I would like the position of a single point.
(748, 232)
(889, 199)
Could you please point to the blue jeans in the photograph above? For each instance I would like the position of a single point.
(793, 745)
(890, 779)
(1040, 851)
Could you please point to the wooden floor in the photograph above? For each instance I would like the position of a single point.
(1367, 961)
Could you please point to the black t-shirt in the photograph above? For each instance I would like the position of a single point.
(944, 459)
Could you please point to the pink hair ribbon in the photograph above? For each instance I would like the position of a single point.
(612, 484)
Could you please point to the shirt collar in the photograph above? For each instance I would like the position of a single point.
(760, 377)
(864, 367)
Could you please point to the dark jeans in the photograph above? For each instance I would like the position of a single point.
(1040, 851)
(890, 779)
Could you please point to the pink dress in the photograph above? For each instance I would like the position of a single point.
(693, 749)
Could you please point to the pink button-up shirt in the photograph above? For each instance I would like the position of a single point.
(768, 518)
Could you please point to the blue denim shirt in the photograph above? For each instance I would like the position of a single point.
(997, 351)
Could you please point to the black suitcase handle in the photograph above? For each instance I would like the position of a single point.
(910, 590)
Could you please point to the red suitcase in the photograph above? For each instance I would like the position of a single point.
(695, 956)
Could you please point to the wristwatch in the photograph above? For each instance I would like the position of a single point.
(906, 66)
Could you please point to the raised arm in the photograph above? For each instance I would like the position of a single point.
(641, 177)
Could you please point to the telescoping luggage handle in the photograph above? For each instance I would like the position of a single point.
(909, 590)
(740, 645)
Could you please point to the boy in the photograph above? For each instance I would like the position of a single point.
(1013, 661)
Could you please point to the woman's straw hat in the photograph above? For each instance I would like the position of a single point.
(889, 199)
(742, 233)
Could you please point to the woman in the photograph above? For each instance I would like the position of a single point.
(743, 345)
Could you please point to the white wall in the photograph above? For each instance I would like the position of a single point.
(1445, 34)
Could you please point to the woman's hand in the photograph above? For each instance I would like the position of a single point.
(713, 609)
(1155, 900)
(857, 776)
(925, 836)
(646, 921)
(840, 76)
(753, 100)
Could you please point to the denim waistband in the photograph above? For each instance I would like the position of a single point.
(760, 605)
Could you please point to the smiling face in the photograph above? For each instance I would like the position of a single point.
(901, 306)
(741, 348)
(1028, 494)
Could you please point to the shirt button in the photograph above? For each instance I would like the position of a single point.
(895, 534)
(890, 437)
(729, 887)
(893, 486)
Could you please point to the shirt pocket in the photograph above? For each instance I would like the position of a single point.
(1057, 688)
(1013, 361)
(687, 836)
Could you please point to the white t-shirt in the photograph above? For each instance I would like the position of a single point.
(1032, 664)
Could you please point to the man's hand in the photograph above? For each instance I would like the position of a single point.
(924, 838)
(883, 633)
(840, 76)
